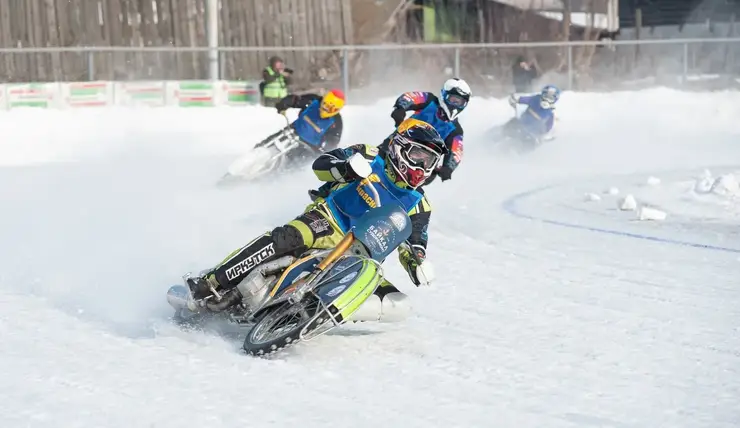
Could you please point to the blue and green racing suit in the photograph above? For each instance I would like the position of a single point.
(325, 221)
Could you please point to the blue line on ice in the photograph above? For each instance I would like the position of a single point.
(509, 206)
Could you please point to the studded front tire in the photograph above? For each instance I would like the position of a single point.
(282, 326)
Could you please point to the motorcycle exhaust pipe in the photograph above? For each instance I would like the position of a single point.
(228, 299)
(177, 297)
(252, 289)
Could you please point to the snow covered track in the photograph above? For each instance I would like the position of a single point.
(567, 198)
(529, 324)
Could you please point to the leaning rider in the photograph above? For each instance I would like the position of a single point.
(441, 112)
(539, 117)
(413, 154)
(319, 123)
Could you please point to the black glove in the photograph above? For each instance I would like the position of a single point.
(280, 107)
(444, 172)
(285, 103)
(398, 115)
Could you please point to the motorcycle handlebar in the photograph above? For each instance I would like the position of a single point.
(368, 183)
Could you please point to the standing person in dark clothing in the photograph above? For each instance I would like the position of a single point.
(275, 81)
(523, 73)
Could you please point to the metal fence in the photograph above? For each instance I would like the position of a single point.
(573, 65)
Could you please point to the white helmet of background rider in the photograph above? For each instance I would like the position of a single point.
(549, 96)
(455, 96)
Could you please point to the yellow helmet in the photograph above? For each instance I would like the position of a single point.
(332, 102)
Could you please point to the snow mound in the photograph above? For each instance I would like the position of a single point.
(726, 185)
(703, 185)
(704, 200)
(591, 197)
(628, 203)
(700, 198)
(653, 181)
(648, 213)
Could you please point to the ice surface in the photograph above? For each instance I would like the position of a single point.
(540, 316)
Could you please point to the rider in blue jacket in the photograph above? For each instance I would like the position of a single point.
(539, 117)
(440, 112)
(415, 151)
(319, 123)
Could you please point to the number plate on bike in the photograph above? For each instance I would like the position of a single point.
(383, 229)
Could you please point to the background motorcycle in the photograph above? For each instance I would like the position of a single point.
(514, 137)
(281, 151)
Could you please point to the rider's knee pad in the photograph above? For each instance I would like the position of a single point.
(287, 239)
(314, 227)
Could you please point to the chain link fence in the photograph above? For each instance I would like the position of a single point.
(387, 69)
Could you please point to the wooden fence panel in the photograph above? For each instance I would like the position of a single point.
(5, 34)
(163, 23)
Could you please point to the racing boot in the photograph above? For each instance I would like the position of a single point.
(283, 240)
(321, 192)
(202, 287)
(387, 304)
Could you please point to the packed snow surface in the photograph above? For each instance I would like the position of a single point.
(551, 309)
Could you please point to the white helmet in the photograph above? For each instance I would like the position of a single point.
(455, 96)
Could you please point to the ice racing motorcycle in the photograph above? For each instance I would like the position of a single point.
(290, 299)
(281, 151)
(515, 137)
